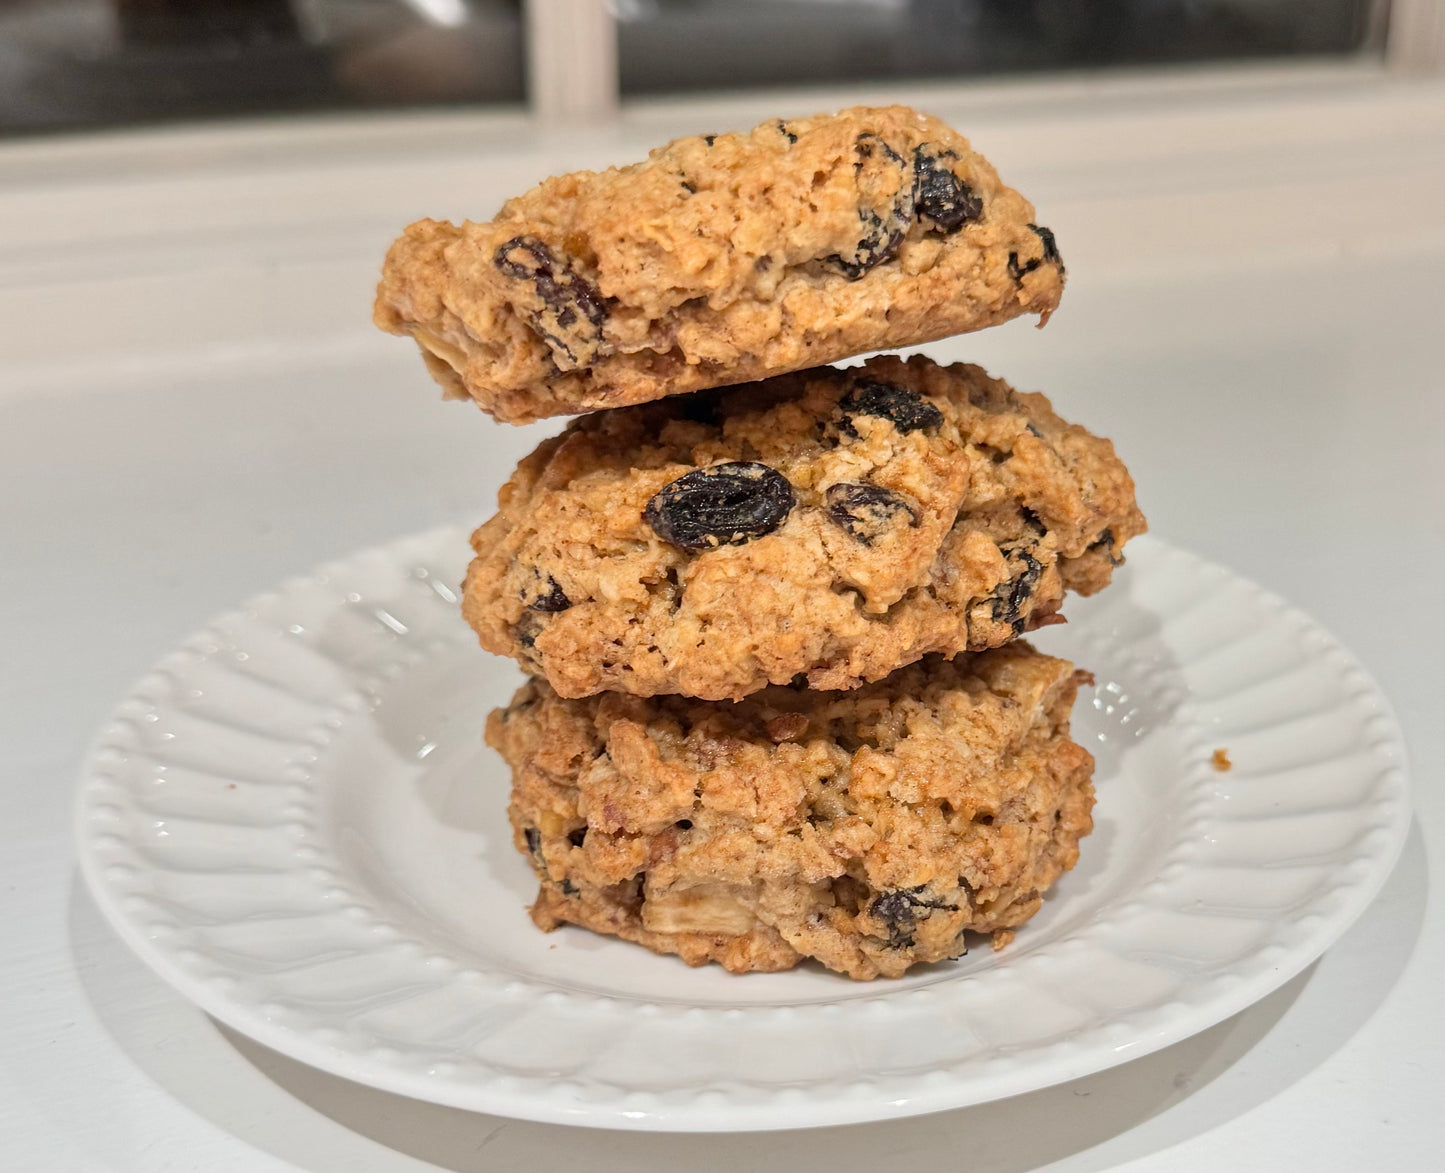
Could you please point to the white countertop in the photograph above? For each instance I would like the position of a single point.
(193, 406)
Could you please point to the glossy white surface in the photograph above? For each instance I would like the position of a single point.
(291, 818)
(193, 408)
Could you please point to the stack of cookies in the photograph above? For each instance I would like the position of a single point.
(778, 706)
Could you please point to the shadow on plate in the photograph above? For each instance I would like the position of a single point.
(1128, 1112)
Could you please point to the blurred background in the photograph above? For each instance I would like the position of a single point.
(80, 64)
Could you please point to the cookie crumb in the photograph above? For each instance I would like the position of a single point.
(1220, 761)
(1001, 939)
(1083, 676)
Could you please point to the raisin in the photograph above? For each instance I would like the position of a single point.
(1051, 246)
(898, 911)
(709, 139)
(572, 312)
(724, 505)
(867, 512)
(788, 134)
(879, 243)
(1010, 595)
(569, 888)
(527, 629)
(534, 840)
(885, 207)
(894, 909)
(552, 600)
(1018, 271)
(939, 194)
(1105, 541)
(870, 145)
(908, 410)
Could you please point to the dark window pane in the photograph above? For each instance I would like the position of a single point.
(87, 63)
(671, 45)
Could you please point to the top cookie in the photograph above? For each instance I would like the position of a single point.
(721, 259)
(833, 523)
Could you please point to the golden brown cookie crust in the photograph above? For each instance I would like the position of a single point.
(720, 259)
(956, 534)
(868, 829)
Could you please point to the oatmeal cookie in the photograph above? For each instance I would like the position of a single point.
(869, 829)
(832, 523)
(721, 259)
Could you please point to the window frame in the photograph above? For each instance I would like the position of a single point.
(573, 70)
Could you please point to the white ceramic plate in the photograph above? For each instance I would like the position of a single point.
(294, 821)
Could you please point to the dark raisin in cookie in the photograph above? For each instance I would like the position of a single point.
(721, 505)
